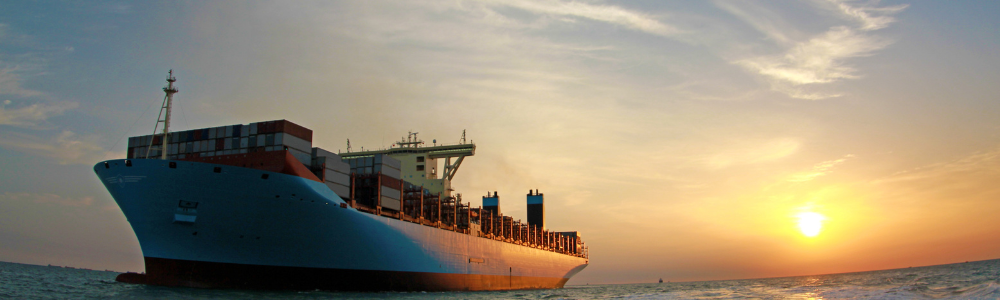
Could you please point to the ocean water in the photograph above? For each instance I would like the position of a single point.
(973, 280)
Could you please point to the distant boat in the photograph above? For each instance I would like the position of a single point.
(661, 280)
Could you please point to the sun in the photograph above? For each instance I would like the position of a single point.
(810, 223)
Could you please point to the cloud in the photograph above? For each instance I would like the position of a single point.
(65, 148)
(10, 84)
(762, 20)
(45, 198)
(871, 18)
(818, 170)
(950, 185)
(603, 13)
(32, 116)
(973, 166)
(750, 152)
(807, 63)
(818, 60)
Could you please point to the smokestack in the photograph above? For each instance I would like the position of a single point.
(536, 210)
(491, 204)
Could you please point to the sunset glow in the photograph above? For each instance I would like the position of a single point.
(684, 140)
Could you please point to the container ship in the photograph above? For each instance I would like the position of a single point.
(256, 206)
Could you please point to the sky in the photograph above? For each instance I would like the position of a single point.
(685, 140)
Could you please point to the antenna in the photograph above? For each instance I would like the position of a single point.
(348, 145)
(463, 137)
(164, 118)
(411, 140)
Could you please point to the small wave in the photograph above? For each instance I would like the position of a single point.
(555, 296)
(986, 290)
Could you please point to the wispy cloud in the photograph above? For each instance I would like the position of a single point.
(870, 17)
(32, 116)
(65, 148)
(604, 13)
(764, 21)
(10, 84)
(46, 198)
(819, 169)
(818, 60)
(823, 58)
(753, 151)
(978, 164)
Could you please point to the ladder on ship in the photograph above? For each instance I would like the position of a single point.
(164, 117)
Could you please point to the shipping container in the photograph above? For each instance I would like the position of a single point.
(390, 203)
(269, 140)
(390, 192)
(293, 142)
(302, 156)
(338, 166)
(394, 173)
(392, 162)
(344, 191)
(337, 177)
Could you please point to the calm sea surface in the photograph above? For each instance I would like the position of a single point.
(974, 280)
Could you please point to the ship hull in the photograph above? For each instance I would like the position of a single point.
(218, 226)
(198, 274)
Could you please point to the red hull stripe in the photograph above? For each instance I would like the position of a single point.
(173, 272)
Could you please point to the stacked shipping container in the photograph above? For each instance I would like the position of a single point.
(335, 173)
(226, 140)
(390, 184)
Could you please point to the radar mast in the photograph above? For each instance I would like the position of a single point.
(164, 116)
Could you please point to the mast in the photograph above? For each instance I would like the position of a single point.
(164, 116)
(170, 90)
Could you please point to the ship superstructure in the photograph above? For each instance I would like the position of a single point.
(257, 206)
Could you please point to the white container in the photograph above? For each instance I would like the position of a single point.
(390, 172)
(320, 152)
(390, 192)
(390, 203)
(392, 162)
(341, 190)
(293, 142)
(338, 166)
(337, 177)
(302, 156)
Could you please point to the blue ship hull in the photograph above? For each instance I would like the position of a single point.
(210, 225)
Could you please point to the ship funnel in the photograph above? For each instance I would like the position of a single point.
(491, 203)
(536, 209)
